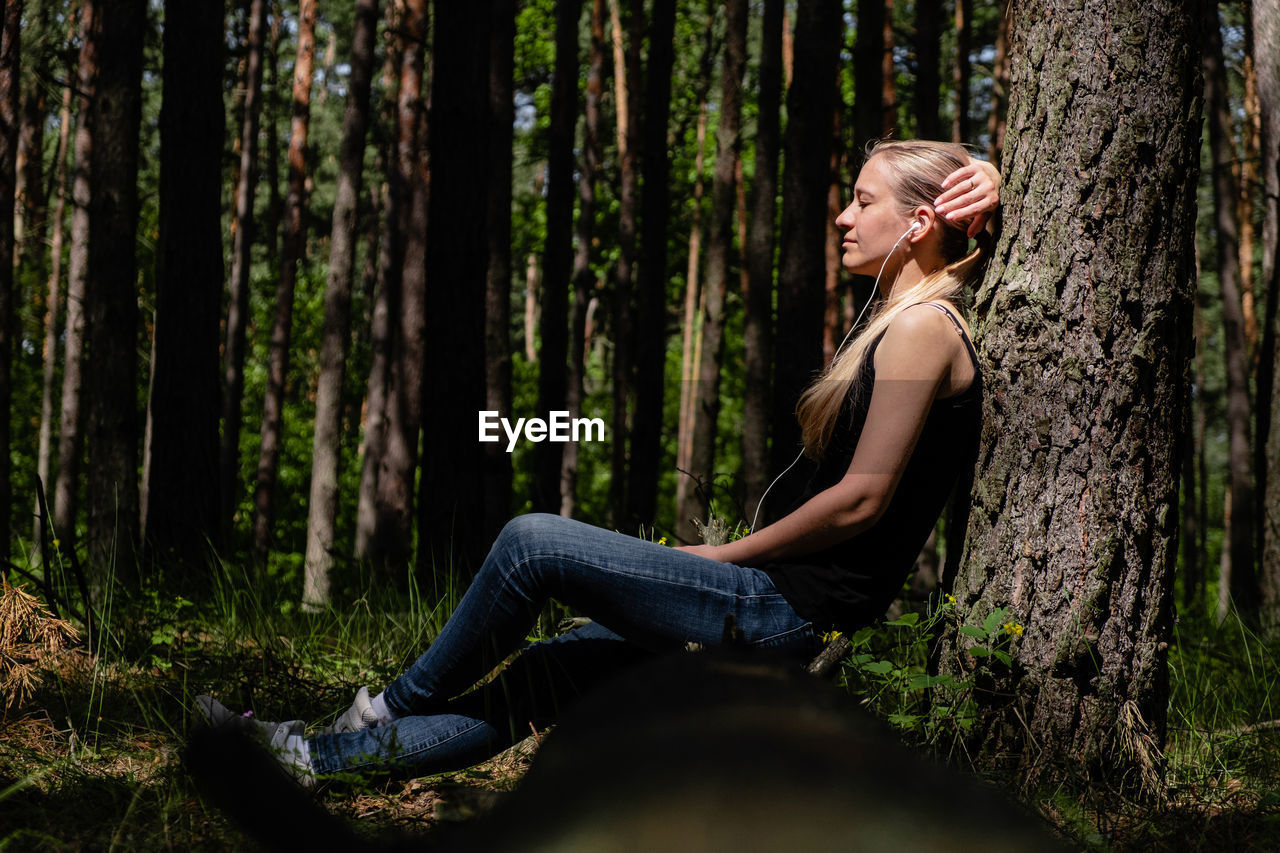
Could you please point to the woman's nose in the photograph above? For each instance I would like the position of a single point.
(845, 219)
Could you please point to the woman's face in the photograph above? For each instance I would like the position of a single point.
(873, 222)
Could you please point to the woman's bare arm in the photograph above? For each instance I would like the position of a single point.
(911, 362)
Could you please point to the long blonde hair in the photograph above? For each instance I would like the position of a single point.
(916, 169)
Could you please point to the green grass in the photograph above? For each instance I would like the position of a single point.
(91, 758)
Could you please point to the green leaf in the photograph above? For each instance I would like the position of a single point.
(992, 623)
(979, 651)
(906, 620)
(904, 721)
(1003, 657)
(880, 667)
(971, 631)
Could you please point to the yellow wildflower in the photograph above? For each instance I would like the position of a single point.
(662, 540)
(951, 599)
(1013, 629)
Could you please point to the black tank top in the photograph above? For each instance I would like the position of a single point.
(852, 583)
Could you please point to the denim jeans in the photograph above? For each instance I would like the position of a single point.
(642, 597)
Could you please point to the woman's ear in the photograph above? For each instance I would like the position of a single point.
(922, 222)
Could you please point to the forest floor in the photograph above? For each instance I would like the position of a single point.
(90, 750)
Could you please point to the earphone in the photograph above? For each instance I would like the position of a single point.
(915, 226)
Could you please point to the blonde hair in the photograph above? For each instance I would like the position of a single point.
(916, 169)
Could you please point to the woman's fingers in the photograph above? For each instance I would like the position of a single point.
(969, 193)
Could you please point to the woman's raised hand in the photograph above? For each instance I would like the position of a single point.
(971, 193)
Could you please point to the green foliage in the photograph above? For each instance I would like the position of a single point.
(890, 666)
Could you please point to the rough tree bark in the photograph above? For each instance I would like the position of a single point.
(557, 258)
(1084, 320)
(1239, 586)
(758, 323)
(293, 250)
(183, 508)
(450, 533)
(242, 242)
(335, 336)
(111, 294)
(719, 252)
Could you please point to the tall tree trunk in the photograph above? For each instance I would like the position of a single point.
(10, 65)
(497, 347)
(719, 251)
(293, 250)
(241, 258)
(996, 121)
(30, 201)
(691, 349)
(335, 336)
(53, 309)
(868, 73)
(557, 259)
(758, 325)
(407, 47)
(1266, 41)
(694, 299)
(183, 508)
(1193, 575)
(71, 419)
(449, 519)
(806, 178)
(1250, 131)
(624, 331)
(1085, 330)
(273, 105)
(960, 129)
(928, 74)
(112, 293)
(888, 81)
(651, 285)
(583, 277)
(1241, 579)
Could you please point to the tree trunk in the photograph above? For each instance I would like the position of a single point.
(557, 257)
(888, 81)
(112, 293)
(1250, 131)
(719, 251)
(691, 349)
(497, 348)
(928, 74)
(651, 285)
(960, 129)
(758, 324)
(868, 72)
(293, 249)
(806, 178)
(583, 277)
(1084, 322)
(450, 531)
(335, 337)
(372, 539)
(31, 205)
(1266, 41)
(53, 309)
(244, 228)
(183, 508)
(10, 65)
(275, 203)
(996, 122)
(71, 420)
(628, 78)
(1241, 580)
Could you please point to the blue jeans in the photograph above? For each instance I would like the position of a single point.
(643, 597)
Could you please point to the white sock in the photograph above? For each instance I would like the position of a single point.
(380, 708)
(297, 745)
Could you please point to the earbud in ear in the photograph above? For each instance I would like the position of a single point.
(915, 226)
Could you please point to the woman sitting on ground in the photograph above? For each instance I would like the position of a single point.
(891, 425)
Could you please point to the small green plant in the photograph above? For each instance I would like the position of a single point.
(889, 666)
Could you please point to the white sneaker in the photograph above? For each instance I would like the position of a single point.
(275, 736)
(358, 717)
